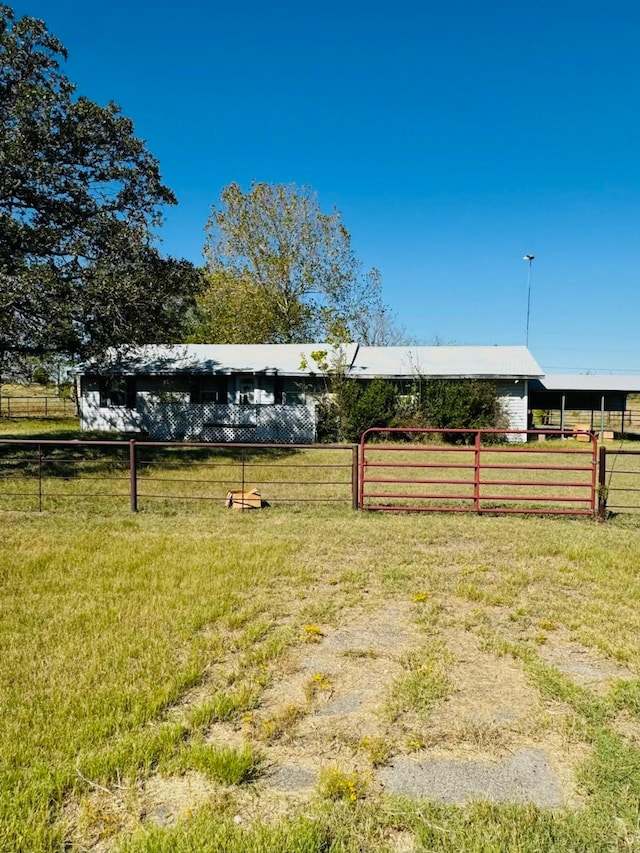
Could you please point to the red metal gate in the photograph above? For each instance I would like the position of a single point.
(483, 471)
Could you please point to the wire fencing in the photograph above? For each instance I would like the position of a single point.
(618, 481)
(407, 473)
(37, 406)
(48, 475)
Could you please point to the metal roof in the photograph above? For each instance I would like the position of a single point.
(587, 382)
(488, 362)
(288, 359)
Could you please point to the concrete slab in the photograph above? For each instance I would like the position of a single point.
(523, 778)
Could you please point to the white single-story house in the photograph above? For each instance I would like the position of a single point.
(269, 392)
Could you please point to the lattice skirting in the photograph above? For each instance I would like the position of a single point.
(231, 423)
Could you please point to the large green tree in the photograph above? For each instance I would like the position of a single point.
(282, 271)
(80, 201)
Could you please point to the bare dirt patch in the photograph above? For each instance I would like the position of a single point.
(493, 724)
(166, 800)
(584, 666)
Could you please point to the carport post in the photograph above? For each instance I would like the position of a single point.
(562, 405)
(602, 418)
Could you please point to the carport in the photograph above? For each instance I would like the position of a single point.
(601, 399)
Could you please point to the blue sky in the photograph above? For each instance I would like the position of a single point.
(454, 137)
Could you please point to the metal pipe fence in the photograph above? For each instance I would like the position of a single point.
(410, 471)
(43, 406)
(488, 471)
(50, 474)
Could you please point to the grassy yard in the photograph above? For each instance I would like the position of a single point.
(158, 670)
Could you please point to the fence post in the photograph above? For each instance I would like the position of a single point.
(476, 473)
(242, 460)
(39, 478)
(355, 469)
(602, 484)
(133, 476)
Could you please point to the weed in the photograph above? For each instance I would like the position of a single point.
(224, 706)
(377, 749)
(335, 784)
(276, 643)
(222, 763)
(280, 724)
(483, 735)
(424, 684)
(321, 610)
(312, 634)
(317, 683)
(470, 591)
(360, 653)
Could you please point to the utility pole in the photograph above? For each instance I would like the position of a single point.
(529, 258)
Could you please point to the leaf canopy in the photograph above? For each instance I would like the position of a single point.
(80, 201)
(300, 278)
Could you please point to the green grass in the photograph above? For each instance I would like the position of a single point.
(208, 834)
(220, 763)
(49, 428)
(425, 682)
(124, 639)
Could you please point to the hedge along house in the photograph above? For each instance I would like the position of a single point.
(269, 392)
(509, 369)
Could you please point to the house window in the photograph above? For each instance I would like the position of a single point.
(247, 391)
(290, 392)
(209, 389)
(118, 392)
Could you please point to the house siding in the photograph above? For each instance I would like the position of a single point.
(514, 400)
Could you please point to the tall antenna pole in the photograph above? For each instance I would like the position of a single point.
(529, 258)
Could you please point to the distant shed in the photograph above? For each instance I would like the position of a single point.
(602, 400)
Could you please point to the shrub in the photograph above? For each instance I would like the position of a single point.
(457, 404)
(41, 376)
(362, 406)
